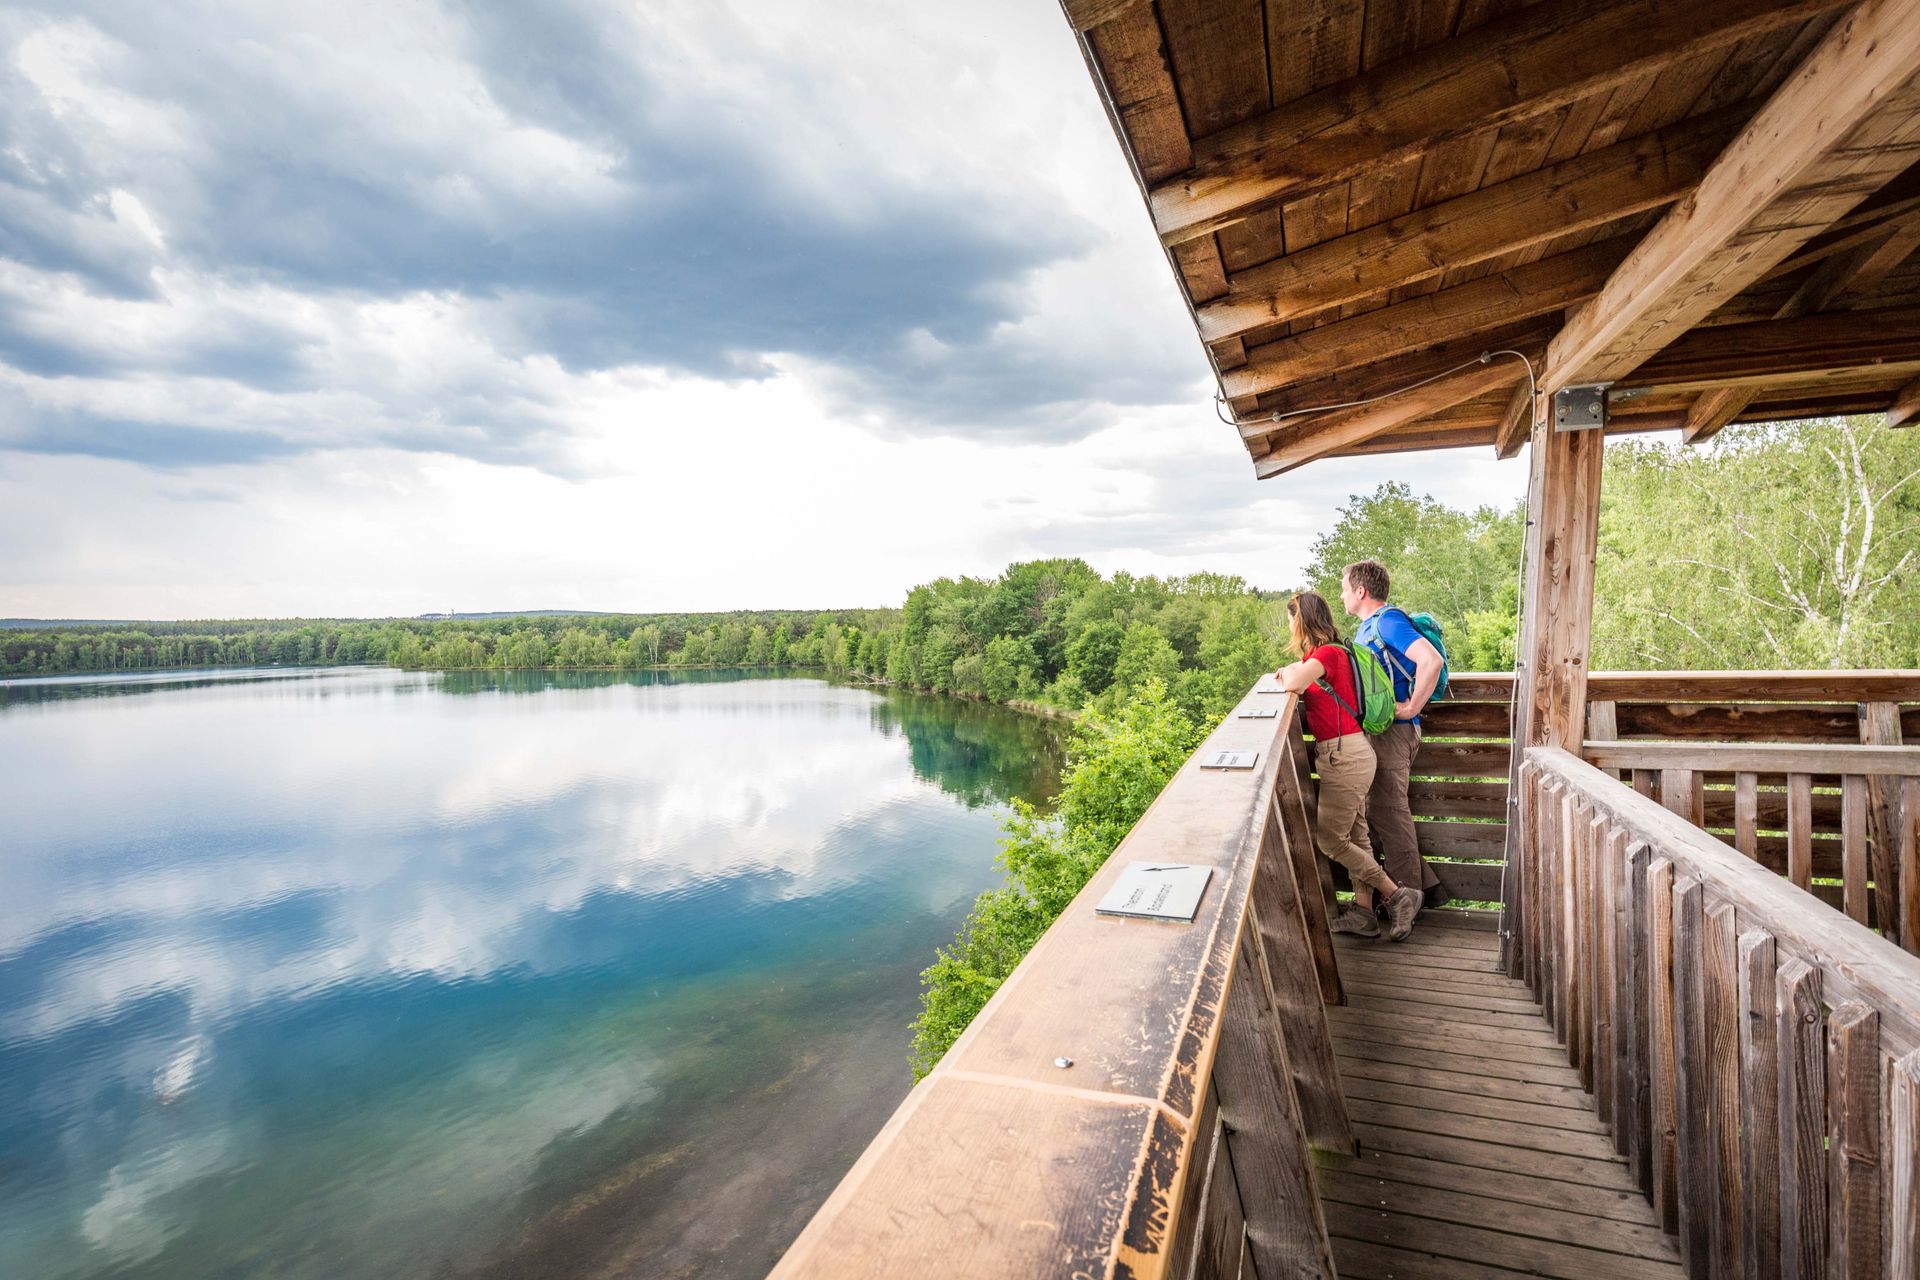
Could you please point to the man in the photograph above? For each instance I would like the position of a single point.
(1414, 665)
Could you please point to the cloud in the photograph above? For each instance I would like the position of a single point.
(849, 194)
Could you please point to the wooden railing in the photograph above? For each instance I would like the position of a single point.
(1873, 793)
(1139, 1097)
(1756, 1053)
(1459, 793)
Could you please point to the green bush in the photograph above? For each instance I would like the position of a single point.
(1117, 764)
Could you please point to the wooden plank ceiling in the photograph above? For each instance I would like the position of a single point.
(1711, 205)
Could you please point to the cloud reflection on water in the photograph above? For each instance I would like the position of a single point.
(249, 913)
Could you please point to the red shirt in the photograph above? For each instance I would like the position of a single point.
(1325, 717)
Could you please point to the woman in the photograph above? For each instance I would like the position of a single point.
(1343, 758)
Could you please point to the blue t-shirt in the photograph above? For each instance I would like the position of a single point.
(1390, 634)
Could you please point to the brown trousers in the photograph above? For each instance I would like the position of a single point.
(1346, 768)
(1388, 816)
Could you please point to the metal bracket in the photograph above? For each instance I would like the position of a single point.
(1580, 408)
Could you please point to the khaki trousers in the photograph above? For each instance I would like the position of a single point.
(1346, 768)
(1388, 817)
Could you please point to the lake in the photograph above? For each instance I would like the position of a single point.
(351, 973)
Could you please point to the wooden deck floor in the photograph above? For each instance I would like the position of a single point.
(1480, 1155)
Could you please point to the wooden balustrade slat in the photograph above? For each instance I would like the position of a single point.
(1202, 1194)
(1663, 1050)
(1886, 801)
(1647, 783)
(1640, 1060)
(1908, 844)
(1759, 1106)
(1691, 1071)
(1746, 813)
(1680, 791)
(1720, 974)
(1287, 956)
(1593, 916)
(1853, 1141)
(1738, 720)
(1253, 1076)
(1800, 829)
(1611, 925)
(1802, 1110)
(1296, 847)
(1853, 842)
(1903, 1127)
(1578, 950)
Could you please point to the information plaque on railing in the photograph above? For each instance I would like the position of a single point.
(1157, 891)
(1260, 713)
(1231, 760)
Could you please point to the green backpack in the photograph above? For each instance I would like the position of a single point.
(1376, 690)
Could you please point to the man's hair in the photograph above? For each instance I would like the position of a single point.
(1368, 575)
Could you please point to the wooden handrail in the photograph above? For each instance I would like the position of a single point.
(1768, 757)
(1714, 686)
(1075, 1127)
(1736, 1033)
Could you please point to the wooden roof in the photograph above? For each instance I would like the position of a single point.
(1711, 205)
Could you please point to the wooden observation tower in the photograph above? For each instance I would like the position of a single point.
(1690, 1040)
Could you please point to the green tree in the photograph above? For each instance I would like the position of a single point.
(1117, 766)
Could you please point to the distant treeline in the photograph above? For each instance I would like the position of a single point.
(744, 638)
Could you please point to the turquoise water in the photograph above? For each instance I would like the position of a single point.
(355, 973)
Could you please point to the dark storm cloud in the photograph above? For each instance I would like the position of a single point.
(688, 246)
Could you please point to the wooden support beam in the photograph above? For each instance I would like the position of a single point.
(1574, 195)
(1085, 15)
(1784, 352)
(1845, 123)
(1291, 445)
(1712, 411)
(1516, 421)
(1509, 297)
(1905, 408)
(1525, 65)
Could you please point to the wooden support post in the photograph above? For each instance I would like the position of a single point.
(1803, 1123)
(1550, 686)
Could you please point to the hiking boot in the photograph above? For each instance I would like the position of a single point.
(1402, 907)
(1438, 896)
(1354, 918)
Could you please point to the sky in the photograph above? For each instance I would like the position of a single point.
(390, 308)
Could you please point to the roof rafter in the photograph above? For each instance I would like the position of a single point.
(1532, 62)
(1519, 293)
(1575, 195)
